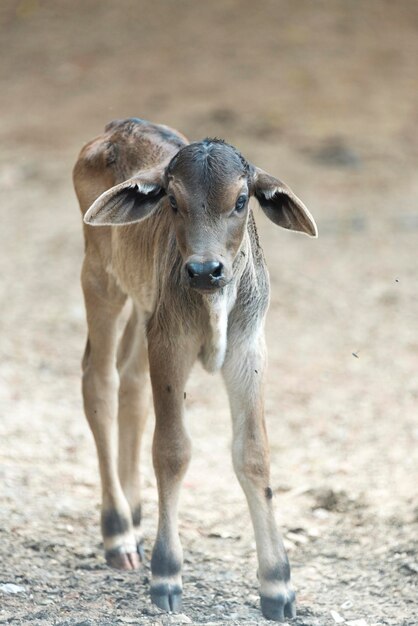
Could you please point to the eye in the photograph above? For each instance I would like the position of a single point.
(173, 203)
(240, 204)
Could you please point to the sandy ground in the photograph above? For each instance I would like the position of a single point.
(324, 95)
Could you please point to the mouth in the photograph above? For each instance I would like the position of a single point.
(208, 288)
(208, 284)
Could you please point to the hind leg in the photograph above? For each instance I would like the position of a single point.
(104, 302)
(134, 396)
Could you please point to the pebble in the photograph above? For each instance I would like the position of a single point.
(11, 588)
(289, 545)
(337, 617)
(410, 567)
(297, 538)
(181, 618)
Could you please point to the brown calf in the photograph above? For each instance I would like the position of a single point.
(186, 253)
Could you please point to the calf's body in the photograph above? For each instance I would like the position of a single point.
(178, 240)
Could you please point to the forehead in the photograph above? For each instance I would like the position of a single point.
(211, 167)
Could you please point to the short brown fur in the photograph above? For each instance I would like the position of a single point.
(179, 246)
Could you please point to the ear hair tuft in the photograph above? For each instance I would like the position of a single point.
(270, 193)
(147, 188)
(126, 203)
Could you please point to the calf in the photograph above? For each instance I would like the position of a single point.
(178, 239)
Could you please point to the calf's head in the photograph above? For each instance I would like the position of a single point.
(206, 187)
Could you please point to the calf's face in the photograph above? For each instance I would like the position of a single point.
(206, 187)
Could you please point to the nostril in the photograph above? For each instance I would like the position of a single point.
(192, 269)
(216, 271)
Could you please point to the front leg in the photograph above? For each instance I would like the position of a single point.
(170, 364)
(244, 376)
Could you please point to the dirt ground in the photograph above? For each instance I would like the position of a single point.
(325, 95)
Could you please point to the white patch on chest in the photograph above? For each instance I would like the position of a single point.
(214, 347)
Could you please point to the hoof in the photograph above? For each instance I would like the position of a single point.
(278, 608)
(119, 559)
(167, 597)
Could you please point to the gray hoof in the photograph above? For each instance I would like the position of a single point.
(167, 597)
(278, 608)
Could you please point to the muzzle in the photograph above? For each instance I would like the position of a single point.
(206, 276)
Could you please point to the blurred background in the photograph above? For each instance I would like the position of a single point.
(323, 95)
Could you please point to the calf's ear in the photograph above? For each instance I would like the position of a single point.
(281, 205)
(126, 203)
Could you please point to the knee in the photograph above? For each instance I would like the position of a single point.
(251, 462)
(95, 374)
(172, 454)
(99, 385)
(131, 386)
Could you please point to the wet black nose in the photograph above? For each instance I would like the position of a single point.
(206, 275)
